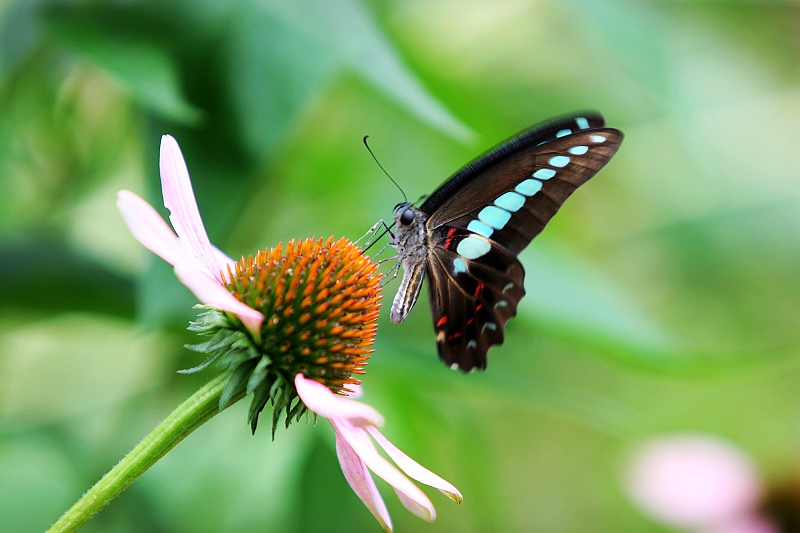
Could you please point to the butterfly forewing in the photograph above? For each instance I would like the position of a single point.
(471, 179)
(528, 189)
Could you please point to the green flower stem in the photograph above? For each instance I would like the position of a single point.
(187, 417)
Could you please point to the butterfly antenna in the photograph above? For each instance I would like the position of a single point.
(405, 198)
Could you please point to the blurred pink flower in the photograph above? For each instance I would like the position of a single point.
(354, 423)
(697, 483)
(197, 263)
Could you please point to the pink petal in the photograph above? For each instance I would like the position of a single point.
(148, 227)
(413, 469)
(209, 291)
(152, 231)
(184, 215)
(322, 401)
(357, 475)
(410, 495)
(693, 481)
(222, 259)
(356, 391)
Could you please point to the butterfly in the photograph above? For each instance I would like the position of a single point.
(465, 237)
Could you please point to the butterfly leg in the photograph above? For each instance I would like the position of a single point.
(391, 274)
(372, 235)
(371, 232)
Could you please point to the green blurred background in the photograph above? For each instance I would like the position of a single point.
(665, 297)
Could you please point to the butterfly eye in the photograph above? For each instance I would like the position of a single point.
(407, 217)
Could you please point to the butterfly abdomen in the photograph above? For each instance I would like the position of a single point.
(410, 240)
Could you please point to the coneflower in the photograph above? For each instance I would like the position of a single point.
(292, 326)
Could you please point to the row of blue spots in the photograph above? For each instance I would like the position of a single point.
(495, 217)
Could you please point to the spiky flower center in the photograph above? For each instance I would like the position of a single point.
(321, 301)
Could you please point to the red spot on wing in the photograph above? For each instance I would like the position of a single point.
(449, 240)
(455, 335)
(470, 321)
(478, 290)
(479, 307)
(442, 321)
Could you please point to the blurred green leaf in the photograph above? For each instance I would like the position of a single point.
(139, 64)
(346, 31)
(47, 276)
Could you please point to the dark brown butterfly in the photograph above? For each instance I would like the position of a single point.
(466, 236)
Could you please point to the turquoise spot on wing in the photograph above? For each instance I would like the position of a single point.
(494, 216)
(562, 133)
(459, 265)
(544, 173)
(510, 201)
(559, 161)
(473, 247)
(529, 187)
(582, 122)
(597, 138)
(476, 226)
(578, 150)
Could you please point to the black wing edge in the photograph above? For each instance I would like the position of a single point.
(536, 134)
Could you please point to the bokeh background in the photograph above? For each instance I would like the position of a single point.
(664, 298)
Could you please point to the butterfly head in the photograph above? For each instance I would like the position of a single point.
(405, 214)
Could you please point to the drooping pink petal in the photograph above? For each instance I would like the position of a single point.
(413, 469)
(209, 291)
(357, 475)
(356, 391)
(322, 401)
(184, 215)
(410, 495)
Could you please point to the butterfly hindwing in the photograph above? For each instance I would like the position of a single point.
(471, 301)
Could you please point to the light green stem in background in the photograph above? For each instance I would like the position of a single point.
(187, 417)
